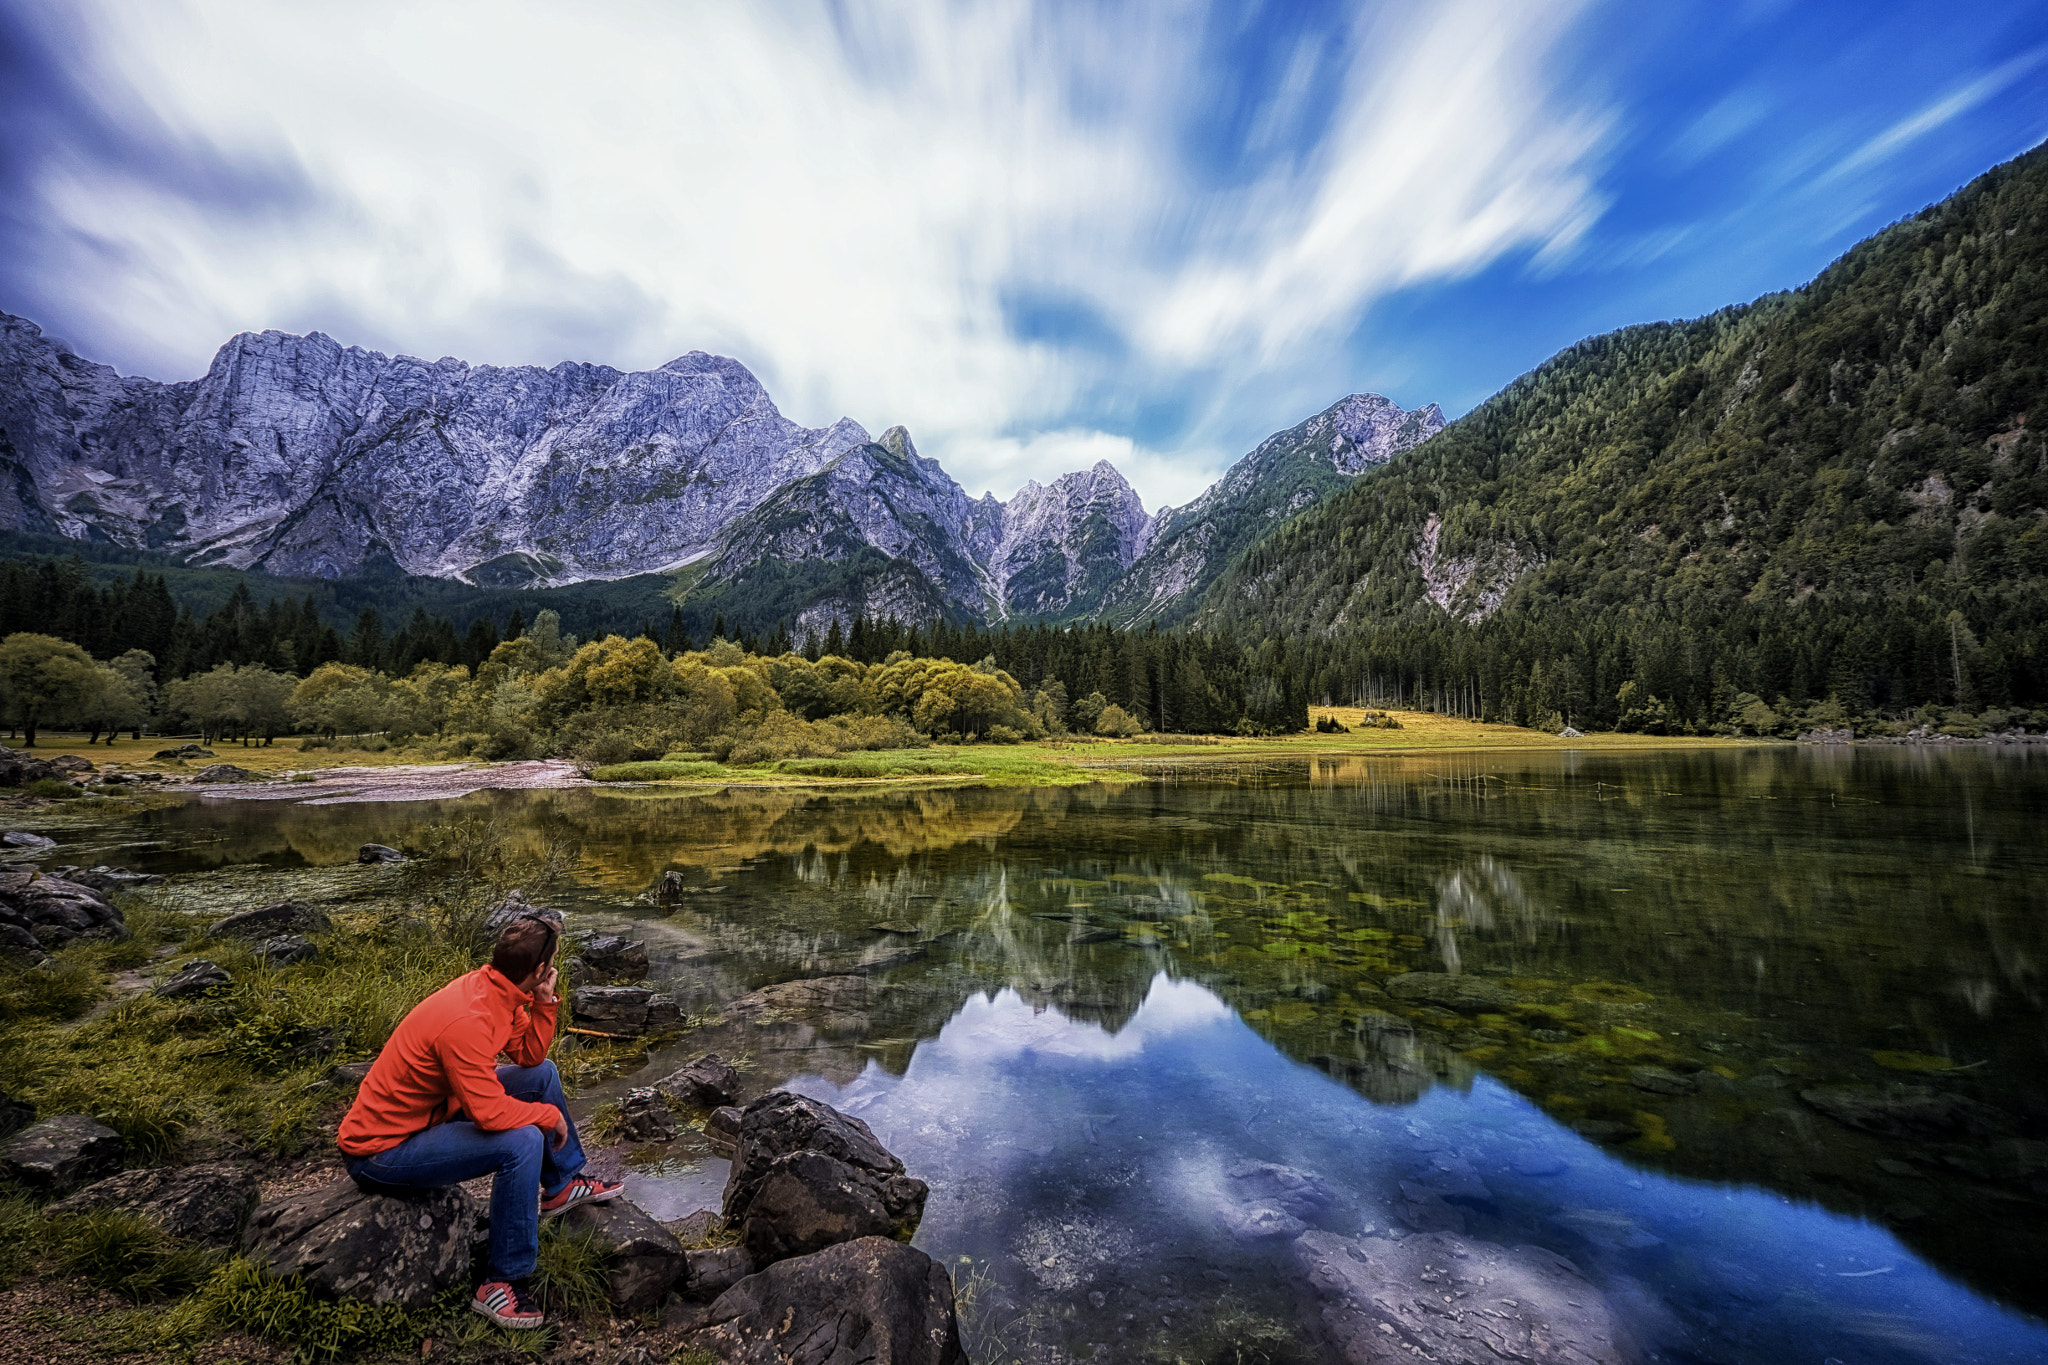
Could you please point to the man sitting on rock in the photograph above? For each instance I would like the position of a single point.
(435, 1110)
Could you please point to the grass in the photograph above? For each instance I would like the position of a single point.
(282, 755)
(116, 1251)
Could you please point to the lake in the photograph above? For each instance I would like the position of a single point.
(1754, 1037)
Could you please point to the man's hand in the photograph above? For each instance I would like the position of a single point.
(544, 985)
(560, 1131)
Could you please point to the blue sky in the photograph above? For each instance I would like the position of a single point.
(1036, 235)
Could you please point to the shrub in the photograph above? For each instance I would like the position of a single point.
(1115, 721)
(54, 789)
(1003, 734)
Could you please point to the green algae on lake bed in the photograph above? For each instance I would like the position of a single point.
(1626, 964)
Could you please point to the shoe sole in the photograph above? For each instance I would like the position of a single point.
(511, 1324)
(604, 1198)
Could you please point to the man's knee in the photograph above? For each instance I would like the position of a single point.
(523, 1146)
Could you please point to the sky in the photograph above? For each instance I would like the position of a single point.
(1037, 235)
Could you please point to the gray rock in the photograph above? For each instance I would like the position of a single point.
(350, 1073)
(1294, 1192)
(1259, 1222)
(62, 1153)
(54, 912)
(1465, 994)
(663, 1013)
(708, 1082)
(107, 879)
(645, 1117)
(376, 1247)
(226, 772)
(279, 917)
(185, 751)
(807, 1201)
(832, 1004)
(22, 839)
(1907, 1111)
(1658, 1081)
(196, 977)
(642, 1259)
(780, 1123)
(205, 1203)
(72, 763)
(372, 853)
(515, 906)
(611, 1009)
(873, 1300)
(286, 950)
(1440, 1297)
(713, 1270)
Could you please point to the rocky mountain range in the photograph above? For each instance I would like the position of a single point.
(298, 456)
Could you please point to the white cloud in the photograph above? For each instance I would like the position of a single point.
(1950, 106)
(842, 199)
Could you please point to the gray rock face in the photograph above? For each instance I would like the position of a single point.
(204, 1203)
(642, 1259)
(1185, 548)
(302, 456)
(1063, 547)
(52, 912)
(378, 1247)
(62, 1153)
(623, 1009)
(872, 1300)
(281, 917)
(1439, 1297)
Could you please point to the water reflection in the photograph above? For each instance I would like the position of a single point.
(1712, 963)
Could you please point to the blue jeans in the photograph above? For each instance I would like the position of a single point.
(523, 1162)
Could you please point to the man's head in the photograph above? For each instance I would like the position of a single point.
(524, 946)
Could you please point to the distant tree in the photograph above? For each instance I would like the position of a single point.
(44, 677)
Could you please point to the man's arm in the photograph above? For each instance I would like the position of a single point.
(470, 1063)
(530, 1047)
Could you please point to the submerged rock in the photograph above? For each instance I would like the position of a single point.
(708, 1082)
(377, 853)
(378, 1247)
(1465, 994)
(833, 1004)
(612, 958)
(62, 1153)
(868, 1300)
(1907, 1111)
(1658, 1081)
(514, 906)
(1439, 1297)
(204, 1203)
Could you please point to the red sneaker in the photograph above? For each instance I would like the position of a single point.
(582, 1189)
(509, 1304)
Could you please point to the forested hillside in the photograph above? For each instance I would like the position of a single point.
(1834, 495)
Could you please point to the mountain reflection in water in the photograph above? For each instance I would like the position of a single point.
(1753, 1036)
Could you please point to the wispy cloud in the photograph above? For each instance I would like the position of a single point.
(846, 198)
(1944, 110)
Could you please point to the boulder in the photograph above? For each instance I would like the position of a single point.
(22, 839)
(713, 1270)
(55, 912)
(671, 887)
(18, 769)
(106, 879)
(279, 917)
(869, 1300)
(373, 853)
(1907, 1111)
(286, 950)
(1465, 994)
(350, 1073)
(205, 1203)
(645, 1117)
(1440, 1297)
(225, 772)
(722, 1127)
(18, 945)
(196, 977)
(642, 1259)
(62, 1153)
(383, 1248)
(708, 1082)
(14, 1113)
(185, 751)
(805, 1176)
(608, 957)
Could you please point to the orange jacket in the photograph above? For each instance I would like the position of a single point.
(441, 1062)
